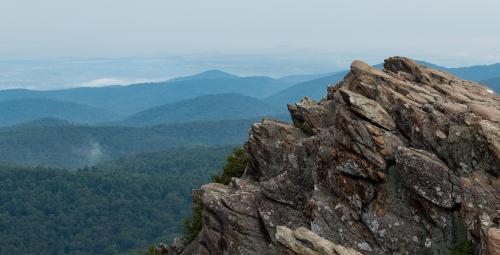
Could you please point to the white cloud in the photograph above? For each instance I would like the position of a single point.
(102, 82)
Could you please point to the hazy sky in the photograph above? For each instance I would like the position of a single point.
(449, 32)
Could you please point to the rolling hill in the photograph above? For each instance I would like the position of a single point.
(203, 108)
(130, 99)
(22, 110)
(476, 73)
(69, 145)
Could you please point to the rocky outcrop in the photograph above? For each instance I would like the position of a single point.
(404, 160)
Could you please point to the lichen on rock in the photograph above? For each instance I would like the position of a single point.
(404, 160)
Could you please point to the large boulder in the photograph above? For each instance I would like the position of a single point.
(404, 160)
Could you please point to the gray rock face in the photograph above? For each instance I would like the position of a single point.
(400, 161)
(426, 175)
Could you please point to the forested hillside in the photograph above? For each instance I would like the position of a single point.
(21, 110)
(174, 161)
(117, 208)
(73, 146)
(204, 108)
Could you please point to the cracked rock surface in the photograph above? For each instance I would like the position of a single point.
(404, 160)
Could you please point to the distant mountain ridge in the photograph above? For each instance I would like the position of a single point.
(209, 74)
(131, 99)
(17, 111)
(476, 73)
(314, 89)
(141, 101)
(493, 83)
(203, 108)
(298, 78)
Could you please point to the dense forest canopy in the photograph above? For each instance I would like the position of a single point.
(128, 204)
(73, 146)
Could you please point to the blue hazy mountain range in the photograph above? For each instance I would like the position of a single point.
(210, 95)
(493, 83)
(124, 100)
(59, 73)
(84, 126)
(204, 108)
(17, 111)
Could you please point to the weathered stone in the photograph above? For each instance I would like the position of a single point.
(286, 237)
(428, 177)
(494, 241)
(303, 241)
(369, 109)
(310, 117)
(404, 160)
